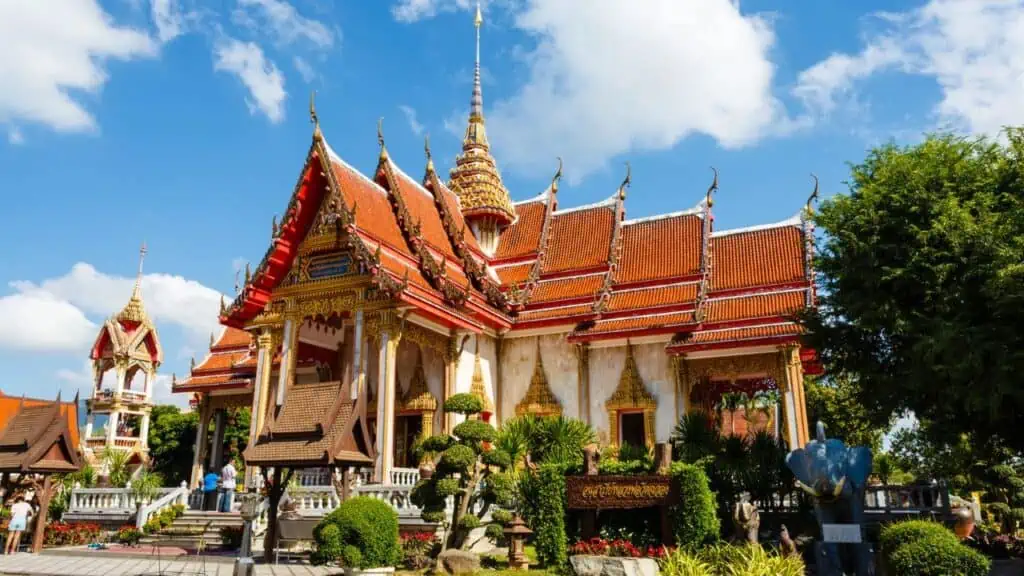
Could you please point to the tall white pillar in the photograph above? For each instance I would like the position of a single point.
(217, 449)
(386, 407)
(287, 351)
(88, 427)
(357, 371)
(112, 422)
(144, 430)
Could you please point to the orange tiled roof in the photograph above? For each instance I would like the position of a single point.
(422, 209)
(213, 381)
(579, 239)
(567, 288)
(374, 215)
(756, 306)
(9, 408)
(233, 338)
(640, 298)
(557, 312)
(513, 273)
(655, 322)
(522, 238)
(757, 258)
(657, 248)
(220, 361)
(452, 205)
(747, 333)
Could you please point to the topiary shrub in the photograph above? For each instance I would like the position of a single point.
(937, 555)
(546, 501)
(897, 534)
(694, 521)
(360, 533)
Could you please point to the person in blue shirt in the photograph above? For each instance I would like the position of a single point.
(210, 491)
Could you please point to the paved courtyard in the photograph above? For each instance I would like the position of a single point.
(102, 565)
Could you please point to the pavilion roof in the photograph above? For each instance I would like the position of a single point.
(36, 436)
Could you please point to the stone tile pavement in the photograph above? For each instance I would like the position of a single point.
(92, 564)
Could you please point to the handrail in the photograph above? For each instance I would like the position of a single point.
(178, 495)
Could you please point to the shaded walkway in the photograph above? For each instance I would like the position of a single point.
(95, 564)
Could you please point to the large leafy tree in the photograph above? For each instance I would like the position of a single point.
(834, 403)
(172, 438)
(922, 284)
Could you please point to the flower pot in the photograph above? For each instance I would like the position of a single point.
(964, 522)
(370, 571)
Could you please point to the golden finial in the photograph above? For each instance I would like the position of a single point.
(626, 182)
(814, 195)
(712, 189)
(479, 19)
(426, 150)
(313, 117)
(558, 176)
(211, 340)
(223, 305)
(237, 287)
(273, 227)
(248, 274)
(133, 310)
(192, 363)
(174, 378)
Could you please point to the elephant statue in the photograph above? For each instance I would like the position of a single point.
(835, 476)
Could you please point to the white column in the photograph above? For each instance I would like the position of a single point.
(144, 431)
(790, 408)
(88, 427)
(357, 359)
(287, 349)
(148, 386)
(386, 408)
(197, 454)
(216, 451)
(122, 373)
(112, 422)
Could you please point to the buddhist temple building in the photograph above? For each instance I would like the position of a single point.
(380, 295)
(125, 357)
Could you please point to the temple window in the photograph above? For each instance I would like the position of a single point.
(631, 407)
(415, 417)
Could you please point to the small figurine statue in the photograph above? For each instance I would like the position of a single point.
(747, 520)
(786, 543)
(835, 476)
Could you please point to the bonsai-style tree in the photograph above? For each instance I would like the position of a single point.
(469, 469)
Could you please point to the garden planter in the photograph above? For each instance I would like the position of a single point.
(370, 571)
(612, 566)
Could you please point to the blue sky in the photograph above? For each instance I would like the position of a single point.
(184, 124)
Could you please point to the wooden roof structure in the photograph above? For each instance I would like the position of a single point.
(36, 436)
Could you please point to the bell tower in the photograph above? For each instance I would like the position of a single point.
(128, 349)
(475, 179)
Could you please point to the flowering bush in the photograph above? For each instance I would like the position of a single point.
(129, 535)
(417, 549)
(616, 548)
(64, 534)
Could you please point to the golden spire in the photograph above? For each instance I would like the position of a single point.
(712, 189)
(539, 399)
(475, 178)
(813, 197)
(133, 311)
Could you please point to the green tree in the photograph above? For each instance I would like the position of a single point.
(469, 470)
(834, 402)
(172, 438)
(921, 273)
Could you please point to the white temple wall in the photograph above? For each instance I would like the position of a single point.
(606, 366)
(560, 365)
(467, 361)
(433, 370)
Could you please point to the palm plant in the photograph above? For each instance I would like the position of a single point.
(696, 436)
(146, 486)
(560, 440)
(115, 462)
(514, 439)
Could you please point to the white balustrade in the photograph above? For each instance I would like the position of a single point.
(172, 497)
(405, 476)
(106, 501)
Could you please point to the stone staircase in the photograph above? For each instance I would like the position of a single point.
(193, 526)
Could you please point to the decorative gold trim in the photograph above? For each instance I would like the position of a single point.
(418, 398)
(631, 396)
(478, 387)
(539, 399)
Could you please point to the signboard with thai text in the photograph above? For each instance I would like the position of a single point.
(610, 492)
(841, 533)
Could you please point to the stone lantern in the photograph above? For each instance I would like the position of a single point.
(517, 532)
(249, 508)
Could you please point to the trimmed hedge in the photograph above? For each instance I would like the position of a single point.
(923, 548)
(937, 556)
(899, 533)
(360, 533)
(694, 521)
(546, 488)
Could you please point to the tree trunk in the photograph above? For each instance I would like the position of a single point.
(274, 494)
(44, 507)
(463, 509)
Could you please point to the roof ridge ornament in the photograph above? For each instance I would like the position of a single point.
(626, 182)
(813, 197)
(712, 189)
(317, 134)
(430, 157)
(558, 177)
(134, 311)
(380, 139)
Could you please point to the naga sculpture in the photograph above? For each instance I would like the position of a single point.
(835, 476)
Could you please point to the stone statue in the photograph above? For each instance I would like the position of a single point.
(747, 520)
(786, 543)
(835, 476)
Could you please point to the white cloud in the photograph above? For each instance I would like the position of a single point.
(597, 88)
(304, 68)
(53, 52)
(413, 10)
(263, 79)
(410, 116)
(42, 322)
(970, 48)
(283, 22)
(168, 19)
(61, 304)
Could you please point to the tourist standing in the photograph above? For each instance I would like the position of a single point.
(227, 484)
(210, 491)
(20, 511)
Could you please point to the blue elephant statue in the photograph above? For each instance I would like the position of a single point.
(835, 476)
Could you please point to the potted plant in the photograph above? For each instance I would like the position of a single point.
(361, 535)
